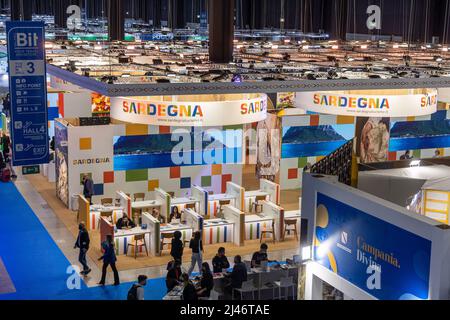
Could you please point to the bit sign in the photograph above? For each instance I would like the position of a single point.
(28, 90)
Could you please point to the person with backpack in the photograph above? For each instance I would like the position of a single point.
(136, 291)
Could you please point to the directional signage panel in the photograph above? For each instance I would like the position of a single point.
(28, 89)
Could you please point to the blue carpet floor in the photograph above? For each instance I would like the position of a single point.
(36, 265)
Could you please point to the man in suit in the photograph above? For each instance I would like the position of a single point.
(88, 188)
(83, 244)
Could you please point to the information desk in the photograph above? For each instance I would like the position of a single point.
(218, 231)
(97, 209)
(123, 237)
(263, 281)
(214, 205)
(254, 224)
(186, 230)
(182, 202)
(250, 197)
(145, 205)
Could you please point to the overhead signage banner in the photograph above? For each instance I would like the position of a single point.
(393, 106)
(189, 114)
(28, 89)
(380, 258)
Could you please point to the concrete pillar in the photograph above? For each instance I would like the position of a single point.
(116, 20)
(221, 30)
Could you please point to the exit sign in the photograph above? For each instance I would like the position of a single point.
(30, 169)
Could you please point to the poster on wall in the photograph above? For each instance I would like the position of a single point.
(268, 148)
(314, 141)
(380, 258)
(61, 163)
(101, 105)
(196, 147)
(285, 100)
(372, 139)
(415, 135)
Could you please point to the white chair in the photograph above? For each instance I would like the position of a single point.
(286, 284)
(247, 287)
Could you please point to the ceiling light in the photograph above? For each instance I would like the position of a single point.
(364, 46)
(335, 47)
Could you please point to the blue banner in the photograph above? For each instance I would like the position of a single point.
(28, 89)
(380, 258)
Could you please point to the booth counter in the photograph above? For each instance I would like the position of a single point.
(218, 231)
(91, 214)
(122, 238)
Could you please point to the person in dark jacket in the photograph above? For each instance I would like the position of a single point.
(6, 143)
(260, 256)
(175, 214)
(83, 244)
(125, 223)
(189, 293)
(88, 188)
(220, 261)
(239, 273)
(109, 258)
(177, 247)
(206, 281)
(173, 277)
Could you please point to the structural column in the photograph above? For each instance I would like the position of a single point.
(116, 20)
(15, 6)
(221, 30)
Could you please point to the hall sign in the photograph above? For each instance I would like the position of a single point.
(368, 105)
(189, 114)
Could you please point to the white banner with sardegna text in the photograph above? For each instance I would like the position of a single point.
(189, 114)
(370, 105)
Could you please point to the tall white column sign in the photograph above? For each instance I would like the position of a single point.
(28, 90)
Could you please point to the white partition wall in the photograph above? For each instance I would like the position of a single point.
(125, 202)
(153, 226)
(275, 212)
(238, 218)
(272, 188)
(201, 195)
(193, 219)
(238, 193)
(164, 198)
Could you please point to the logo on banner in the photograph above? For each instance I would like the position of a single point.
(351, 102)
(26, 40)
(374, 20)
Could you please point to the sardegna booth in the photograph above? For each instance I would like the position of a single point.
(169, 142)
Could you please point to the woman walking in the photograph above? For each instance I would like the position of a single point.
(109, 258)
(197, 250)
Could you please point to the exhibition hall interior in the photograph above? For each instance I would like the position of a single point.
(224, 150)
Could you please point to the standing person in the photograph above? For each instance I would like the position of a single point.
(109, 258)
(136, 292)
(197, 249)
(83, 244)
(176, 250)
(88, 188)
(6, 143)
(220, 261)
(189, 293)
